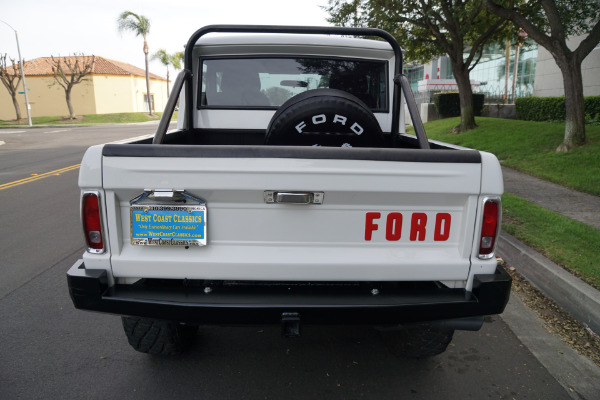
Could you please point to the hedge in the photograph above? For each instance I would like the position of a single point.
(447, 104)
(551, 108)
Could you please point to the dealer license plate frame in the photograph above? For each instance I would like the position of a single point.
(157, 219)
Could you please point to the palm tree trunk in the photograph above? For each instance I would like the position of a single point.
(506, 68)
(168, 94)
(515, 71)
(150, 102)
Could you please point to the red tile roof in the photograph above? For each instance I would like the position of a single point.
(102, 66)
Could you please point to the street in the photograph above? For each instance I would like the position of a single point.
(51, 350)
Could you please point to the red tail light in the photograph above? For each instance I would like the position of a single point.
(92, 222)
(489, 228)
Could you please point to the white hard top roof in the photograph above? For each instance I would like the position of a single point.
(219, 39)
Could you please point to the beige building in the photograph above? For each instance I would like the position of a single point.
(548, 77)
(112, 87)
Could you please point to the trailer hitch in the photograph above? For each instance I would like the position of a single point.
(290, 324)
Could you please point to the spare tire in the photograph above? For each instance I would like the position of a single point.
(324, 117)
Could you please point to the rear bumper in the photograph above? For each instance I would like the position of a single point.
(248, 304)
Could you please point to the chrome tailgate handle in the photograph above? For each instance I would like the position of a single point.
(299, 198)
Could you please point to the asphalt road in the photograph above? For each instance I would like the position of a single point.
(49, 350)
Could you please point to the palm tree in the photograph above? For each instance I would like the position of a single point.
(140, 25)
(167, 59)
(178, 59)
(162, 56)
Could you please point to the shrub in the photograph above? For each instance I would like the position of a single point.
(552, 108)
(478, 103)
(447, 104)
(592, 108)
(540, 108)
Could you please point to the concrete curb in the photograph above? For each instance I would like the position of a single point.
(578, 298)
(579, 376)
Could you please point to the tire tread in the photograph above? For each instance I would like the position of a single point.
(418, 342)
(158, 337)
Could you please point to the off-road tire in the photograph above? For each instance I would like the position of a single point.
(324, 117)
(158, 337)
(417, 342)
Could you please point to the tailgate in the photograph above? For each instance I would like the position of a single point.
(385, 214)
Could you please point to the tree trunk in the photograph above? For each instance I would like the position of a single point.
(16, 104)
(465, 94)
(150, 105)
(506, 68)
(575, 112)
(69, 105)
(515, 72)
(168, 94)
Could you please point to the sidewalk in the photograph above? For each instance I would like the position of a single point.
(579, 206)
(575, 296)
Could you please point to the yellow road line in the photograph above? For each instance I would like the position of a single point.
(36, 177)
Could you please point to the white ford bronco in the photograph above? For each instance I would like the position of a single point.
(290, 194)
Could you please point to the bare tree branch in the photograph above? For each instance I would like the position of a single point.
(473, 65)
(481, 40)
(11, 78)
(589, 43)
(70, 71)
(553, 15)
(520, 20)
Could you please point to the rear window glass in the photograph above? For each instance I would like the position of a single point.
(269, 82)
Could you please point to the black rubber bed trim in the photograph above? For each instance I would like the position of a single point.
(318, 153)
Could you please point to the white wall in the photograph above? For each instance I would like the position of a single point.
(548, 78)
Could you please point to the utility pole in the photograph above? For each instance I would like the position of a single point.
(22, 74)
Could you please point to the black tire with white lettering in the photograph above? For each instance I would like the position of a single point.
(158, 337)
(417, 342)
(324, 117)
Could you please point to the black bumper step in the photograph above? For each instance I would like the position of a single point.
(261, 304)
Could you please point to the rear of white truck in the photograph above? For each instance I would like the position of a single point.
(223, 222)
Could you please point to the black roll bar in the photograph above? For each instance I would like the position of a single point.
(163, 125)
(413, 111)
(329, 30)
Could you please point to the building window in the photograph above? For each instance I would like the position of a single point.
(491, 72)
(414, 73)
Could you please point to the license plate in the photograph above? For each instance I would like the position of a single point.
(166, 225)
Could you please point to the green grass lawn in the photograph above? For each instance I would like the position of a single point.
(91, 119)
(567, 242)
(530, 147)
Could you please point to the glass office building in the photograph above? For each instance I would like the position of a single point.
(490, 71)
(414, 73)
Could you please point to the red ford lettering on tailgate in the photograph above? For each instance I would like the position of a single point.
(418, 226)
(370, 226)
(442, 227)
(393, 230)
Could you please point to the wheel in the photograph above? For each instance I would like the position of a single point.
(324, 117)
(417, 342)
(158, 337)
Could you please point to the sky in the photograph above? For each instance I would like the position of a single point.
(64, 27)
